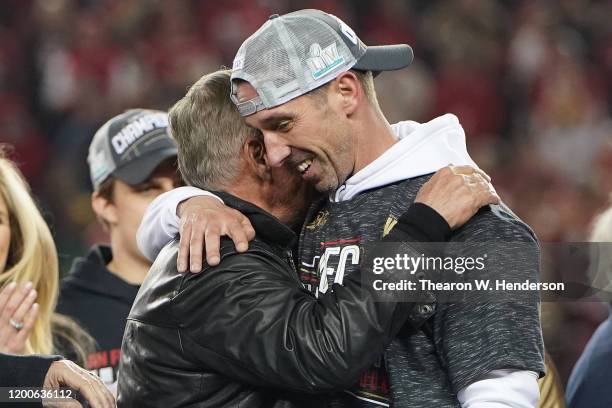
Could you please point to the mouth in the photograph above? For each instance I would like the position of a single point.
(304, 166)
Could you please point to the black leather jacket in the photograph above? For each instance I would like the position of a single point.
(223, 337)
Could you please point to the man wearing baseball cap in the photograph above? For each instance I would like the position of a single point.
(305, 80)
(132, 159)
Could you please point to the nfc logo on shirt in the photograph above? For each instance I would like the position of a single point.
(349, 253)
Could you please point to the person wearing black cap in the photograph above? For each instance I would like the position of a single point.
(132, 159)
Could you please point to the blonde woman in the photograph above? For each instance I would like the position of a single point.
(29, 275)
(29, 266)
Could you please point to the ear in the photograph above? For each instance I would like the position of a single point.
(349, 91)
(104, 209)
(255, 155)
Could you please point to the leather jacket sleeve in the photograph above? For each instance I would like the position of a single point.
(24, 371)
(250, 319)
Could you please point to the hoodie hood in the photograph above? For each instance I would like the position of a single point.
(423, 148)
(90, 274)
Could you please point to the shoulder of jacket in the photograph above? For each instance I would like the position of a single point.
(167, 257)
(256, 246)
(495, 223)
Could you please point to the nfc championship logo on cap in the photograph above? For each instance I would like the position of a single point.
(130, 146)
(136, 129)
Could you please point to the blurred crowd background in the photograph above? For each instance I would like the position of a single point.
(531, 82)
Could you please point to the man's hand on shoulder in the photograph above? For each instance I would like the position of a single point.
(456, 193)
(204, 220)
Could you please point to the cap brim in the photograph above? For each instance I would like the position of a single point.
(139, 170)
(385, 58)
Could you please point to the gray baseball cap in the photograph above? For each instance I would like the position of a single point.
(295, 53)
(130, 146)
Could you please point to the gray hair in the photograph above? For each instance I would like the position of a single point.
(209, 132)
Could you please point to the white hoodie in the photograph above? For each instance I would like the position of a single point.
(423, 148)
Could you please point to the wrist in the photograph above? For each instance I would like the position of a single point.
(424, 224)
(193, 193)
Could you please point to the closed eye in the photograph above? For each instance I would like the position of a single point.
(283, 126)
(147, 186)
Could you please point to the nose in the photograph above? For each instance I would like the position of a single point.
(277, 149)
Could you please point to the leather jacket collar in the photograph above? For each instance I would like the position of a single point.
(267, 227)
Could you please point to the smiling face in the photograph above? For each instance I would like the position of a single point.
(279, 190)
(5, 233)
(310, 135)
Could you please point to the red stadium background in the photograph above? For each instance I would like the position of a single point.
(531, 82)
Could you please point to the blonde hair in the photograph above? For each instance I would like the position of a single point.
(33, 259)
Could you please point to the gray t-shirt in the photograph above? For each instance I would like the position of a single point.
(469, 339)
